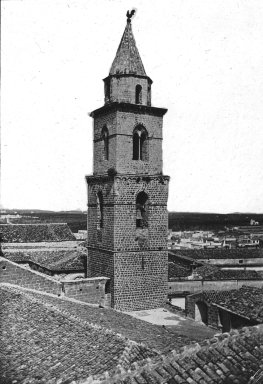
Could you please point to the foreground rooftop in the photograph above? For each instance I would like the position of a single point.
(41, 342)
(47, 339)
(40, 232)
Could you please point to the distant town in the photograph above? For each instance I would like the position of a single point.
(210, 231)
(245, 236)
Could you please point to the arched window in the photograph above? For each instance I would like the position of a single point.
(138, 94)
(99, 210)
(107, 90)
(105, 138)
(142, 210)
(140, 144)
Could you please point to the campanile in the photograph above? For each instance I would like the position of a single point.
(127, 192)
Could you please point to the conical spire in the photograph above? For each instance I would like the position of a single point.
(127, 60)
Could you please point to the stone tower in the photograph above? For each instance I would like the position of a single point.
(127, 193)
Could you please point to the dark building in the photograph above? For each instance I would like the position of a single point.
(127, 193)
(227, 310)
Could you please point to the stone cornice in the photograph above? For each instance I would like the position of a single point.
(124, 250)
(123, 176)
(127, 107)
(129, 75)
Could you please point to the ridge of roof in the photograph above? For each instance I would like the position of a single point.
(235, 355)
(31, 233)
(109, 351)
(52, 259)
(127, 59)
(27, 294)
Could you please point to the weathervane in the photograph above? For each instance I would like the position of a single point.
(129, 15)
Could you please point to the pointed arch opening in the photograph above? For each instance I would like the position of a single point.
(107, 90)
(140, 143)
(142, 201)
(105, 139)
(99, 210)
(138, 94)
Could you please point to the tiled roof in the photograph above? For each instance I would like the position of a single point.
(153, 336)
(237, 253)
(217, 296)
(246, 302)
(227, 359)
(206, 269)
(54, 260)
(178, 271)
(228, 274)
(179, 257)
(127, 59)
(177, 268)
(42, 344)
(30, 233)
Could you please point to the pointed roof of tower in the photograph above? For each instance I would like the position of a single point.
(127, 59)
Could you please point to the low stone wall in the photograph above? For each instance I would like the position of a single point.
(193, 286)
(16, 274)
(239, 263)
(88, 290)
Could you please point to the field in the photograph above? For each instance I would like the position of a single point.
(76, 220)
(189, 221)
(178, 221)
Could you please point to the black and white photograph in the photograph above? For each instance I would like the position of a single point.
(131, 186)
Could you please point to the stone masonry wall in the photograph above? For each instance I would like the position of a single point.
(119, 230)
(212, 310)
(140, 280)
(253, 263)
(87, 290)
(126, 123)
(119, 233)
(121, 126)
(123, 89)
(213, 317)
(104, 237)
(16, 274)
(206, 285)
(126, 236)
(100, 165)
(101, 263)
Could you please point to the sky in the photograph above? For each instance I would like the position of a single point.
(206, 62)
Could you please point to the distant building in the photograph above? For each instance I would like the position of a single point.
(235, 258)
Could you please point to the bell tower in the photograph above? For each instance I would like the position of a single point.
(127, 193)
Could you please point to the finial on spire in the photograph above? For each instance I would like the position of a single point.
(129, 15)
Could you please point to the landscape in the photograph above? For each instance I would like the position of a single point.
(177, 221)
